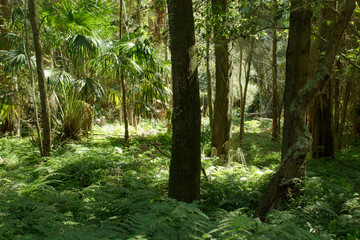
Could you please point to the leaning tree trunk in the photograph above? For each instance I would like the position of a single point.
(184, 179)
(45, 110)
(282, 181)
(222, 106)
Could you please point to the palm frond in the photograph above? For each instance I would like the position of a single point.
(89, 87)
(14, 59)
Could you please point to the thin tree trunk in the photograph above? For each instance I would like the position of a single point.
(282, 181)
(336, 102)
(240, 87)
(122, 84)
(184, 178)
(138, 12)
(275, 137)
(208, 76)
(343, 115)
(126, 120)
(33, 93)
(45, 110)
(243, 100)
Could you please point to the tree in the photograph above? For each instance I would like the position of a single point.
(184, 179)
(121, 81)
(45, 111)
(282, 182)
(275, 137)
(223, 105)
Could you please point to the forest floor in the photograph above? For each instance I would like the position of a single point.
(97, 189)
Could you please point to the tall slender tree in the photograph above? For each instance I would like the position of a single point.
(275, 137)
(45, 110)
(121, 80)
(184, 179)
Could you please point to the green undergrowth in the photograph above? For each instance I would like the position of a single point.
(97, 189)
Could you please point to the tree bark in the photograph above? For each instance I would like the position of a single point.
(275, 136)
(243, 100)
(221, 138)
(45, 110)
(184, 179)
(283, 181)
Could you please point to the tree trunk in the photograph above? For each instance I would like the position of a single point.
(323, 142)
(222, 106)
(33, 92)
(336, 102)
(243, 100)
(343, 114)
(126, 120)
(275, 136)
(283, 181)
(208, 77)
(122, 83)
(45, 110)
(184, 179)
(138, 12)
(160, 16)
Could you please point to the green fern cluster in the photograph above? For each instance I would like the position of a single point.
(91, 190)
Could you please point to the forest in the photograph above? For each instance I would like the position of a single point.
(179, 119)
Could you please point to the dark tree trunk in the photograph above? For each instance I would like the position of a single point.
(297, 59)
(282, 182)
(243, 100)
(275, 136)
(45, 110)
(323, 142)
(184, 179)
(222, 106)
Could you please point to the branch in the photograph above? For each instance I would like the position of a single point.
(352, 26)
(341, 53)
